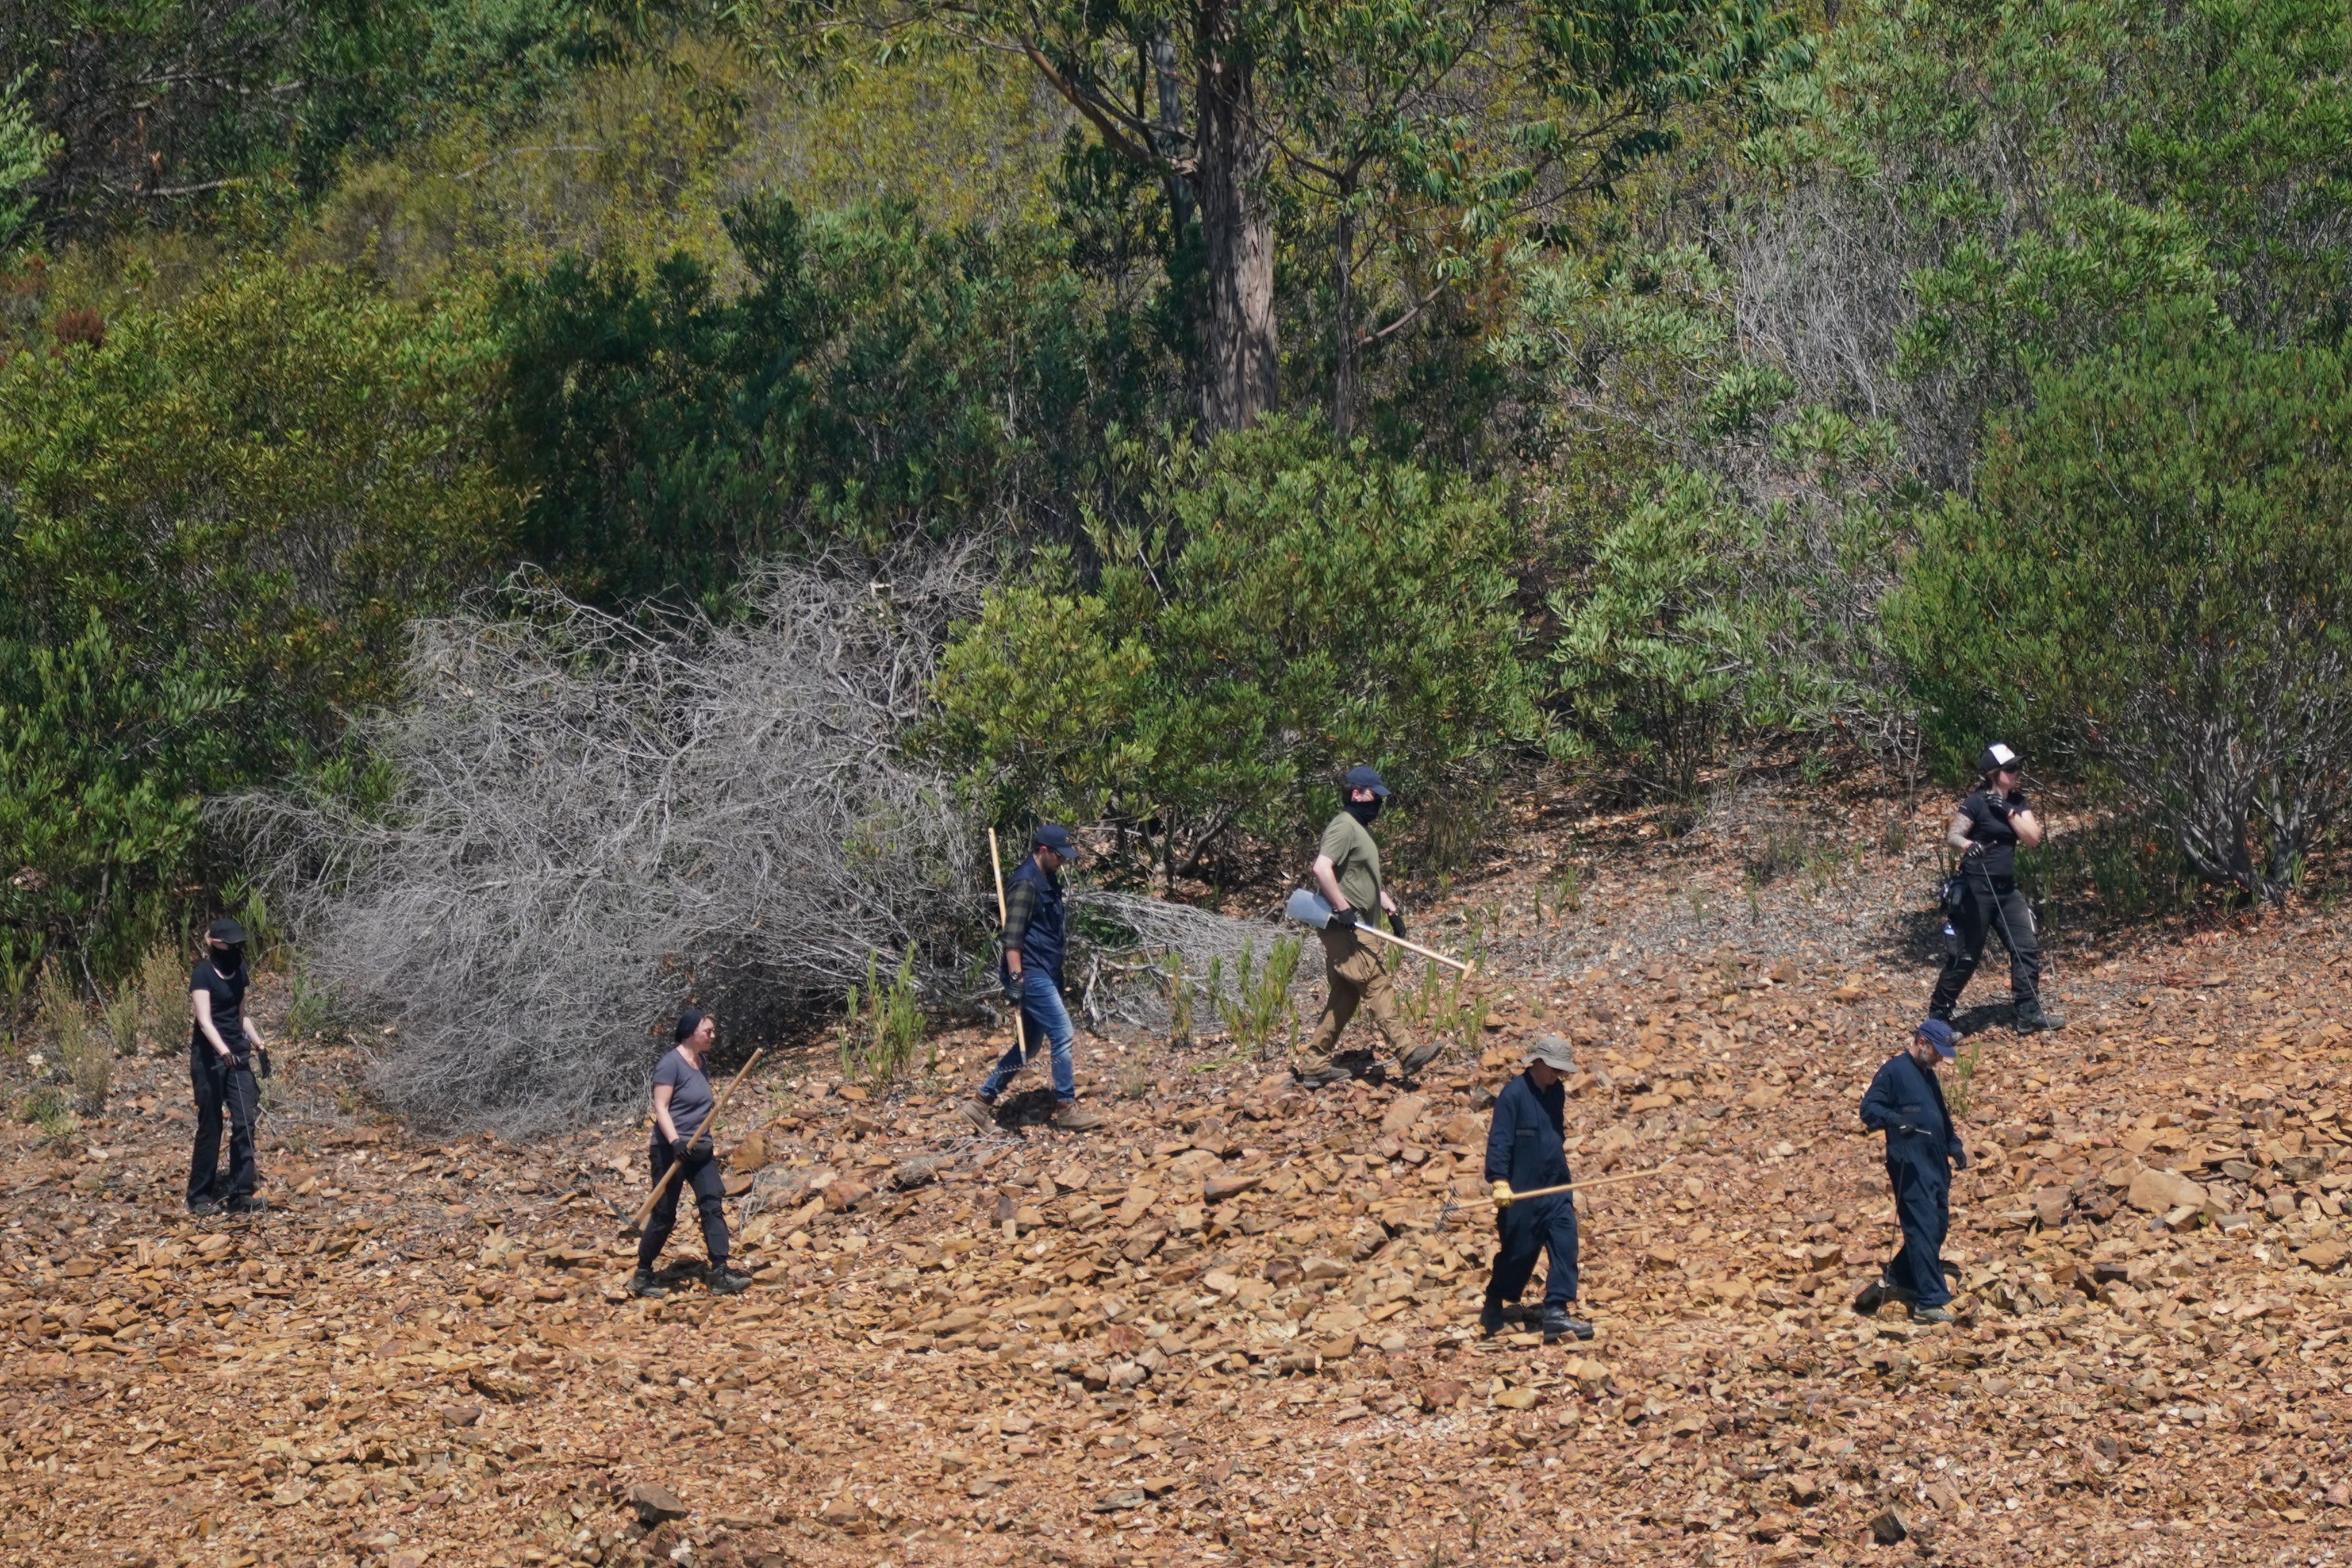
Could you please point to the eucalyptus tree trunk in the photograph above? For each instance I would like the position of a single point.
(1242, 369)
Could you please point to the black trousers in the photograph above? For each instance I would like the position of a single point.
(1526, 1231)
(1990, 906)
(702, 1175)
(223, 1086)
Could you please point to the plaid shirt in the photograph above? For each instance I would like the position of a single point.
(1020, 906)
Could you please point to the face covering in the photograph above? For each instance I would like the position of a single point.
(1363, 811)
(229, 957)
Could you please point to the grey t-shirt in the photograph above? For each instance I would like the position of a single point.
(689, 1096)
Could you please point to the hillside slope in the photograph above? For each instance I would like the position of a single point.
(1237, 1325)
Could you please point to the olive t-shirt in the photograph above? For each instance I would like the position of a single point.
(1354, 862)
(689, 1097)
(227, 992)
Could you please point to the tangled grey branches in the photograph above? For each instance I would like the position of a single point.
(1156, 928)
(597, 822)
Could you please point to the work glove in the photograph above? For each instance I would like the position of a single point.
(1012, 991)
(1345, 919)
(1396, 923)
(1904, 1130)
(2017, 801)
(1959, 1159)
(678, 1147)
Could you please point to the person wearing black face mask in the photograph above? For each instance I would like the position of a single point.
(1348, 873)
(220, 1070)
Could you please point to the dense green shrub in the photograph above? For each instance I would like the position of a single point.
(2154, 582)
(1659, 640)
(1282, 610)
(216, 524)
(877, 381)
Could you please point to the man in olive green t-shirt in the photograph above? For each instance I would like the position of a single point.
(1348, 874)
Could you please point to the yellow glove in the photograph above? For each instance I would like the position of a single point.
(1502, 1195)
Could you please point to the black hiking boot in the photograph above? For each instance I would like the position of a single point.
(246, 1205)
(1419, 1057)
(204, 1209)
(642, 1283)
(1491, 1318)
(2031, 1020)
(725, 1281)
(1314, 1072)
(1558, 1325)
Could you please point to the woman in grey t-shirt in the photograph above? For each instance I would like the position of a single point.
(681, 1102)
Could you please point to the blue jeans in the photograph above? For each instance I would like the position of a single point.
(1042, 1017)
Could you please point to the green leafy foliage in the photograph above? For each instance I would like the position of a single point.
(219, 522)
(877, 381)
(2154, 577)
(884, 1027)
(1996, 189)
(1657, 646)
(1282, 610)
(160, 111)
(25, 149)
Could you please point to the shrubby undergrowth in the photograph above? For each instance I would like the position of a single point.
(597, 821)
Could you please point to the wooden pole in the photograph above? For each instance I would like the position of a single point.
(676, 1167)
(1504, 1197)
(996, 864)
(1412, 946)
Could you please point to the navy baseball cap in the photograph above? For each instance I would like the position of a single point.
(1941, 1036)
(1362, 777)
(1055, 836)
(227, 930)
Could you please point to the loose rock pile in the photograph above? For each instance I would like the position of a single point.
(1238, 1325)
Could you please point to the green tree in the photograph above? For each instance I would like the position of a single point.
(1964, 195)
(161, 108)
(25, 152)
(877, 381)
(1658, 642)
(1280, 611)
(1424, 131)
(2155, 580)
(215, 526)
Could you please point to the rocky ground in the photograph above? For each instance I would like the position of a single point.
(1237, 1324)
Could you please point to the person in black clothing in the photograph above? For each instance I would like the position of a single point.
(1524, 1151)
(1988, 828)
(1923, 1150)
(221, 1043)
(682, 1104)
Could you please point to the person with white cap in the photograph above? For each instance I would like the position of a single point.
(1347, 875)
(1923, 1149)
(1525, 1150)
(1987, 829)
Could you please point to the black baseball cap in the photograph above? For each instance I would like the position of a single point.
(1996, 757)
(1363, 777)
(226, 930)
(1055, 836)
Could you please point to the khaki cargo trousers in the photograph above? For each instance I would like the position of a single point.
(1359, 979)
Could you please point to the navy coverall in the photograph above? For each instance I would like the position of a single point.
(1523, 1148)
(1919, 1165)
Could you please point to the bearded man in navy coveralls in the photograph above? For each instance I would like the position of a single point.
(1923, 1150)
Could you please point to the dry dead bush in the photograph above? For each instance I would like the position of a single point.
(597, 821)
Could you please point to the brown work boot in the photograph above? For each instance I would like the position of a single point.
(1419, 1057)
(1314, 1072)
(980, 1113)
(1076, 1118)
